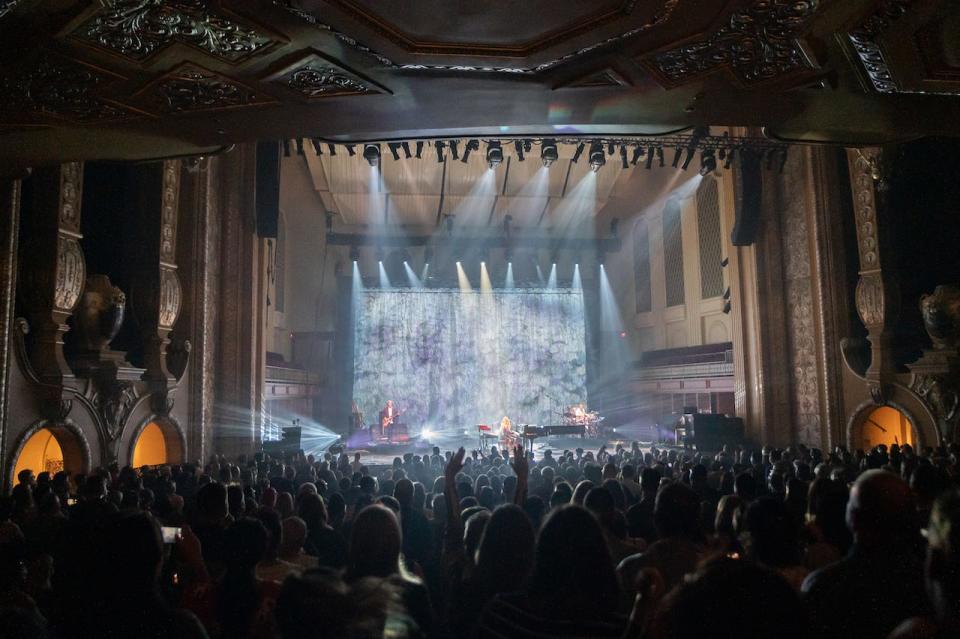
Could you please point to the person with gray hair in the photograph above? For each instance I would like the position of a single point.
(879, 583)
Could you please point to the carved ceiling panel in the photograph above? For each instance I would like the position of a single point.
(7, 6)
(138, 29)
(52, 86)
(191, 88)
(316, 76)
(909, 47)
(756, 44)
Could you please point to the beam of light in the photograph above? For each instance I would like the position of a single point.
(540, 279)
(474, 208)
(509, 281)
(462, 280)
(485, 285)
(577, 283)
(610, 320)
(376, 200)
(357, 284)
(552, 279)
(315, 438)
(576, 211)
(415, 281)
(384, 280)
(424, 272)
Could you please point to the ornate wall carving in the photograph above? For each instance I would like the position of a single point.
(169, 297)
(137, 29)
(71, 274)
(8, 6)
(757, 43)
(799, 294)
(9, 231)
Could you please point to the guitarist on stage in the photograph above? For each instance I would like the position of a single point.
(387, 417)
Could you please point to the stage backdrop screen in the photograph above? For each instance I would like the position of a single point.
(454, 359)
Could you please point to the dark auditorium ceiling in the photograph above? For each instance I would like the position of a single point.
(131, 79)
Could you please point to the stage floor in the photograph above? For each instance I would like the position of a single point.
(383, 454)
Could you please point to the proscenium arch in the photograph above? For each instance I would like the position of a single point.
(73, 444)
(173, 438)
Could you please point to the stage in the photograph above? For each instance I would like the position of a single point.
(378, 454)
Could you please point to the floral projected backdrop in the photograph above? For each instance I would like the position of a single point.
(453, 359)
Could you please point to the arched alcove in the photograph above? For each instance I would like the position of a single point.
(158, 441)
(884, 425)
(49, 448)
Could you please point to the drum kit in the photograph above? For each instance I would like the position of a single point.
(577, 415)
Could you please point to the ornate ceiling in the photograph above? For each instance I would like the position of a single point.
(147, 78)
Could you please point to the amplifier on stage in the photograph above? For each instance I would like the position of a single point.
(289, 442)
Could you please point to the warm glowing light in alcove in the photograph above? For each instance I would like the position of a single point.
(885, 425)
(151, 448)
(41, 453)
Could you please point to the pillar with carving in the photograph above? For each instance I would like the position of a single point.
(155, 294)
(877, 295)
(52, 274)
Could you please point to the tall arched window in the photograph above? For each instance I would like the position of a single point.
(708, 232)
(641, 267)
(673, 253)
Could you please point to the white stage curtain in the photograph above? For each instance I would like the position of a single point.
(453, 359)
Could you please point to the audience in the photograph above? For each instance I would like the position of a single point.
(628, 543)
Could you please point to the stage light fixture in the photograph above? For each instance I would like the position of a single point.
(610, 148)
(286, 148)
(299, 143)
(727, 307)
(518, 146)
(650, 157)
(729, 159)
(406, 150)
(527, 145)
(623, 157)
(597, 158)
(724, 262)
(548, 152)
(371, 153)
(660, 156)
(726, 294)
(317, 146)
(438, 145)
(578, 152)
(394, 150)
(355, 253)
(472, 145)
(351, 150)
(708, 163)
(494, 154)
(454, 149)
(688, 158)
(332, 148)
(419, 150)
(676, 157)
(637, 154)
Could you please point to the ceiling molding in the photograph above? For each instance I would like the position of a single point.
(411, 45)
(139, 29)
(865, 39)
(607, 78)
(52, 86)
(9, 6)
(315, 76)
(190, 88)
(658, 19)
(757, 44)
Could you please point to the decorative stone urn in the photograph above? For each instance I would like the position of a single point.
(99, 314)
(941, 316)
